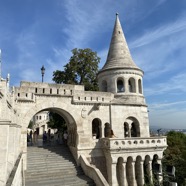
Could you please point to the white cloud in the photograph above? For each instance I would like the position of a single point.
(174, 85)
(157, 33)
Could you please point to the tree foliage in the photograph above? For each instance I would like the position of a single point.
(30, 126)
(175, 155)
(56, 122)
(81, 69)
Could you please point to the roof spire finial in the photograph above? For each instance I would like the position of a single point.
(117, 14)
(119, 55)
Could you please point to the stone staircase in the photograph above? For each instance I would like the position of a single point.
(53, 166)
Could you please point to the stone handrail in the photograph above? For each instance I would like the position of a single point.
(92, 172)
(130, 143)
(17, 175)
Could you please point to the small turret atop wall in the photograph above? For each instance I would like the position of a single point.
(120, 75)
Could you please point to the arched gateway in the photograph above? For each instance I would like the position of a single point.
(108, 130)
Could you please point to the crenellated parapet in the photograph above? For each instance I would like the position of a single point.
(29, 91)
(93, 97)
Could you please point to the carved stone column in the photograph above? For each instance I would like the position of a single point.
(160, 178)
(113, 180)
(150, 171)
(125, 175)
(133, 174)
(142, 173)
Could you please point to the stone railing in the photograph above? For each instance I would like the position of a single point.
(92, 172)
(17, 177)
(131, 143)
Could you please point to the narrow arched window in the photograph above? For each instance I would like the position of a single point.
(96, 129)
(140, 86)
(132, 85)
(126, 130)
(120, 86)
(104, 86)
(133, 130)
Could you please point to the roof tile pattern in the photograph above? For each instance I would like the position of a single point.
(119, 55)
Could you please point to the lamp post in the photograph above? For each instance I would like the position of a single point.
(42, 72)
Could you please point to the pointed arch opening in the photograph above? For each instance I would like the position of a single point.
(132, 85)
(96, 128)
(120, 85)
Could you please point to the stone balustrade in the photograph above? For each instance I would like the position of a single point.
(133, 143)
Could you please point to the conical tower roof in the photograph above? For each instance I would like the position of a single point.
(119, 55)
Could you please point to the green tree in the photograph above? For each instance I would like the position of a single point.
(175, 155)
(81, 69)
(30, 126)
(56, 122)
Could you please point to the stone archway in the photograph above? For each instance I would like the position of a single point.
(71, 124)
(65, 111)
(131, 127)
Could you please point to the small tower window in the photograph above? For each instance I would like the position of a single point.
(126, 130)
(120, 86)
(131, 85)
(96, 129)
(140, 86)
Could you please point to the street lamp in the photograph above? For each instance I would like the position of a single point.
(42, 72)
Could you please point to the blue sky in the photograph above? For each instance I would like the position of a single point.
(43, 32)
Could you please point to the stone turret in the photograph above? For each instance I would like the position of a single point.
(120, 75)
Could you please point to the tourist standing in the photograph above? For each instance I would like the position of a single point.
(65, 137)
(30, 135)
(35, 138)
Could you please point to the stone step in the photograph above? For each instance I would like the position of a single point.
(53, 166)
(48, 172)
(41, 176)
(60, 182)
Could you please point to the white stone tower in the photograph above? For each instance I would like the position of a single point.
(121, 76)
(133, 154)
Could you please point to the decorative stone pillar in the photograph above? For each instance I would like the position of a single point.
(133, 174)
(126, 86)
(136, 86)
(160, 178)
(113, 180)
(125, 173)
(150, 171)
(111, 170)
(142, 173)
(4, 137)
